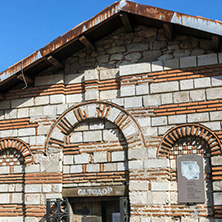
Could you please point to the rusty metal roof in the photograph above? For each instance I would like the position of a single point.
(107, 20)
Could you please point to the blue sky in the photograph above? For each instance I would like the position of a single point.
(28, 25)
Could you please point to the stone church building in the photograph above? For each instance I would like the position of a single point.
(119, 119)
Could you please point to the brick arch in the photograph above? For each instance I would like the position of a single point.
(93, 110)
(21, 146)
(184, 130)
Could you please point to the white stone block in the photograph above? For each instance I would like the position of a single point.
(111, 135)
(49, 110)
(4, 169)
(110, 167)
(26, 132)
(181, 97)
(159, 121)
(197, 95)
(144, 122)
(4, 198)
(208, 59)
(113, 114)
(68, 159)
(35, 168)
(94, 125)
(36, 111)
(47, 188)
(99, 157)
(151, 100)
(133, 102)
(217, 185)
(33, 188)
(57, 188)
(137, 153)
(198, 117)
(138, 197)
(135, 164)
(215, 126)
(57, 99)
(152, 153)
(91, 94)
(53, 196)
(157, 66)
(90, 136)
(74, 78)
(118, 156)
(17, 198)
(202, 82)
(214, 93)
(177, 119)
(216, 160)
(32, 199)
(18, 103)
(166, 98)
(186, 62)
(108, 94)
(74, 98)
(156, 163)
(24, 112)
(121, 167)
(161, 198)
(216, 115)
(11, 114)
(136, 185)
(217, 198)
(41, 100)
(216, 80)
(76, 137)
(142, 89)
(91, 74)
(4, 188)
(82, 158)
(109, 74)
(171, 64)
(186, 84)
(160, 186)
(92, 168)
(18, 169)
(135, 69)
(31, 219)
(127, 90)
(164, 87)
(76, 169)
(49, 80)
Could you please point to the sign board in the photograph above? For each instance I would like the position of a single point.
(94, 191)
(190, 179)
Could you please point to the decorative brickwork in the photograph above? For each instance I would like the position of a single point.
(173, 140)
(21, 148)
(59, 133)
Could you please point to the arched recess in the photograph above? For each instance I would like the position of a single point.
(64, 125)
(19, 145)
(189, 130)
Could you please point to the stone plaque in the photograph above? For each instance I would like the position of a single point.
(94, 191)
(190, 177)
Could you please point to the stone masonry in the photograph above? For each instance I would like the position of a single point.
(102, 121)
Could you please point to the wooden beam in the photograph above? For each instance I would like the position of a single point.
(28, 79)
(169, 31)
(126, 22)
(53, 61)
(86, 42)
(216, 43)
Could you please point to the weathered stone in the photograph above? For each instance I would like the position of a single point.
(164, 87)
(147, 32)
(133, 102)
(197, 95)
(114, 50)
(151, 100)
(190, 61)
(135, 69)
(102, 58)
(137, 47)
(50, 163)
(133, 56)
(181, 97)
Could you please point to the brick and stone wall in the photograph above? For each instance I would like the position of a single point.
(104, 120)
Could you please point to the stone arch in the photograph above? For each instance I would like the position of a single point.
(21, 146)
(185, 130)
(93, 110)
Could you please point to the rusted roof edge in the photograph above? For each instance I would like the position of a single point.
(198, 23)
